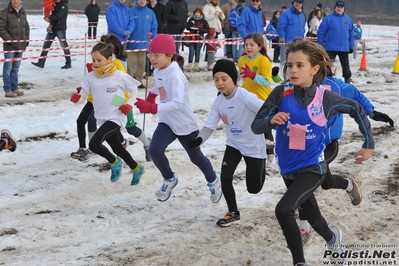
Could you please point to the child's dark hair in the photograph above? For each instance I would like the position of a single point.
(198, 9)
(179, 60)
(259, 40)
(275, 14)
(316, 54)
(105, 49)
(119, 51)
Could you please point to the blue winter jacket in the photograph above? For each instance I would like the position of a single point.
(335, 125)
(119, 20)
(335, 33)
(357, 32)
(146, 22)
(251, 20)
(291, 24)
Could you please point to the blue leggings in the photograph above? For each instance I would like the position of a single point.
(162, 137)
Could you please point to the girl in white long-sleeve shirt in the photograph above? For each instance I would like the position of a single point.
(176, 118)
(236, 107)
(107, 86)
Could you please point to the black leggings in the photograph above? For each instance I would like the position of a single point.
(87, 116)
(84, 116)
(2, 144)
(331, 181)
(300, 194)
(110, 132)
(92, 25)
(255, 175)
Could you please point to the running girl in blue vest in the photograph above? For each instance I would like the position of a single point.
(299, 111)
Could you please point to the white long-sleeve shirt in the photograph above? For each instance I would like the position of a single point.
(174, 108)
(104, 89)
(237, 111)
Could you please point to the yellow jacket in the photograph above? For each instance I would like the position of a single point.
(262, 66)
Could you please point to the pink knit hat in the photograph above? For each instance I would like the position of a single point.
(162, 44)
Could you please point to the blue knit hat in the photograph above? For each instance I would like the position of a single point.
(340, 3)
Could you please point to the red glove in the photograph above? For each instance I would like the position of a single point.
(89, 67)
(75, 97)
(151, 97)
(146, 107)
(246, 72)
(78, 89)
(125, 108)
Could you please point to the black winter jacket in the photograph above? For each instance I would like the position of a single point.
(59, 16)
(176, 16)
(160, 14)
(198, 26)
(92, 12)
(14, 26)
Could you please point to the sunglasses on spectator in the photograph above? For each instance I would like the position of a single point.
(256, 1)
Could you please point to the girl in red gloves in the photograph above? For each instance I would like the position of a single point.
(176, 118)
(87, 113)
(107, 86)
(255, 69)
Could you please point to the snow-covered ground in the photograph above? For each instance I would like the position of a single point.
(58, 211)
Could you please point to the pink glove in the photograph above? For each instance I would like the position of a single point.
(151, 97)
(75, 97)
(246, 72)
(146, 107)
(125, 108)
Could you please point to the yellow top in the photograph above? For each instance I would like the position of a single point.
(262, 66)
(119, 66)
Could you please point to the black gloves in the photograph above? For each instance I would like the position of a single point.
(195, 142)
(377, 116)
(275, 71)
(351, 51)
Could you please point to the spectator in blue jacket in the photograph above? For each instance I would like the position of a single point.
(119, 20)
(251, 20)
(357, 33)
(333, 133)
(139, 39)
(291, 25)
(336, 35)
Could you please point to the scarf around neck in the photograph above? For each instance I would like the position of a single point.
(105, 70)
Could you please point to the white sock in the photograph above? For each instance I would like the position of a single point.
(214, 182)
(350, 186)
(143, 138)
(304, 225)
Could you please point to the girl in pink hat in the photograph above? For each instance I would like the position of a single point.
(176, 118)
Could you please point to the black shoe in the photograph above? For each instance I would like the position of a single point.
(37, 64)
(229, 219)
(66, 66)
(141, 86)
